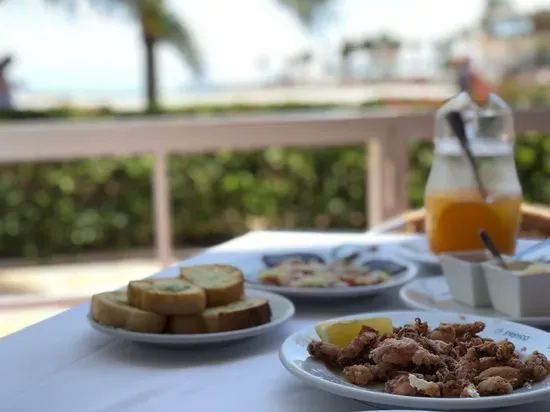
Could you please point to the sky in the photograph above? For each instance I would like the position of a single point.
(61, 52)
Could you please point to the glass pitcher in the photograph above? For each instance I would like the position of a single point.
(455, 209)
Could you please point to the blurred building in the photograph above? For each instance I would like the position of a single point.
(511, 41)
(504, 41)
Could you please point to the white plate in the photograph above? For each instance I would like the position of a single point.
(294, 356)
(251, 273)
(418, 251)
(282, 310)
(433, 294)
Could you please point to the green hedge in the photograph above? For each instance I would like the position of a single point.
(104, 203)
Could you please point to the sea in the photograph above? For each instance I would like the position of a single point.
(316, 82)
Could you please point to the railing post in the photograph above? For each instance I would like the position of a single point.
(161, 210)
(387, 183)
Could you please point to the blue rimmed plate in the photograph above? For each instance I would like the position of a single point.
(400, 271)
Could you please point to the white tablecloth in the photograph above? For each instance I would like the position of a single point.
(62, 365)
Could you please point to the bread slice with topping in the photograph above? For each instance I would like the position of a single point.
(113, 309)
(223, 284)
(167, 296)
(242, 314)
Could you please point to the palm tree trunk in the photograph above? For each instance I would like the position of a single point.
(149, 43)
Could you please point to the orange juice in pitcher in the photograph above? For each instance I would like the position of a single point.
(456, 210)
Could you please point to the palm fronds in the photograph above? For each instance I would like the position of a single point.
(308, 11)
(157, 21)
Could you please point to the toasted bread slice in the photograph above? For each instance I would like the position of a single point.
(167, 296)
(113, 309)
(223, 284)
(242, 314)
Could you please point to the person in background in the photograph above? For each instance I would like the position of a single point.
(471, 80)
(6, 103)
(480, 87)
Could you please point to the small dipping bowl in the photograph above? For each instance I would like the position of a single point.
(519, 291)
(464, 274)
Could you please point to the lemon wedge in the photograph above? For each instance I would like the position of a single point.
(342, 333)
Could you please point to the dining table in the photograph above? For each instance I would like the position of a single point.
(62, 365)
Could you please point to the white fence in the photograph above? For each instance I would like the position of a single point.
(385, 135)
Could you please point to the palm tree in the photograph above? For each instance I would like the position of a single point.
(157, 24)
(383, 49)
(307, 11)
(350, 47)
(347, 49)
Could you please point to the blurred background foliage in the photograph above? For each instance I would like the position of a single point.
(104, 204)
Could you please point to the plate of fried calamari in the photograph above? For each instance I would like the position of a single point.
(423, 360)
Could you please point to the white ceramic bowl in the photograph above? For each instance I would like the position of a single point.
(464, 275)
(517, 294)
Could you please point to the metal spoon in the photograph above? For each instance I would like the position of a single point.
(457, 125)
(490, 245)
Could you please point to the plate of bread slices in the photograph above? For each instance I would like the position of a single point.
(204, 304)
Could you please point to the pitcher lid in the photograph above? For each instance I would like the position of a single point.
(489, 127)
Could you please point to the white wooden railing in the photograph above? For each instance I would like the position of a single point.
(385, 135)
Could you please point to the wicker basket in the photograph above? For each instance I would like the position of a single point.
(535, 222)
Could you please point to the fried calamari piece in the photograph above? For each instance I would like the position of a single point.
(468, 365)
(537, 367)
(361, 375)
(413, 385)
(487, 362)
(502, 351)
(447, 372)
(386, 371)
(469, 390)
(425, 387)
(495, 385)
(437, 347)
(449, 332)
(486, 349)
(515, 376)
(325, 352)
(506, 351)
(368, 373)
(395, 351)
(421, 327)
(445, 333)
(358, 350)
(413, 331)
(472, 329)
(492, 361)
(400, 385)
(452, 388)
(470, 341)
(424, 358)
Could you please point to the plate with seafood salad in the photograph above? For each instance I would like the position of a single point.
(343, 271)
(423, 360)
